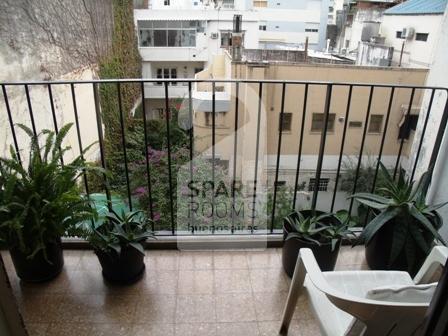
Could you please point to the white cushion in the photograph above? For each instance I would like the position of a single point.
(399, 293)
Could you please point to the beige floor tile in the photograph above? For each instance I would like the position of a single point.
(268, 258)
(162, 260)
(268, 280)
(152, 329)
(156, 308)
(111, 329)
(195, 308)
(98, 308)
(72, 259)
(158, 282)
(89, 261)
(59, 285)
(271, 328)
(235, 307)
(232, 281)
(269, 306)
(196, 282)
(195, 329)
(86, 282)
(189, 260)
(237, 329)
(37, 329)
(351, 255)
(69, 329)
(230, 260)
(39, 308)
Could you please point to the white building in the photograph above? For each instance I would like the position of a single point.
(179, 38)
(412, 29)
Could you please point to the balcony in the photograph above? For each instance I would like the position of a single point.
(208, 274)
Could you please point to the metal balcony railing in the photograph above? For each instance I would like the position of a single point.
(172, 200)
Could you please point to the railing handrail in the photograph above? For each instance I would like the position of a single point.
(247, 81)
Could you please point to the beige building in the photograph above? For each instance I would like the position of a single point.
(293, 114)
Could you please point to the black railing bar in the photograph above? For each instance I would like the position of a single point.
(406, 123)
(248, 81)
(78, 134)
(101, 142)
(11, 123)
(439, 139)
(299, 156)
(30, 109)
(148, 170)
(170, 178)
(363, 140)
(279, 149)
(341, 151)
(383, 140)
(191, 136)
(320, 158)
(257, 149)
(53, 113)
(235, 149)
(423, 133)
(123, 142)
(213, 150)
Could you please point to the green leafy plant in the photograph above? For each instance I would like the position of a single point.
(119, 231)
(402, 204)
(39, 203)
(318, 229)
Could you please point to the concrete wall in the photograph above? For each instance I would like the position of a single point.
(43, 118)
(417, 54)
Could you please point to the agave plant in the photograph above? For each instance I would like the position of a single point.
(118, 231)
(40, 202)
(402, 203)
(317, 230)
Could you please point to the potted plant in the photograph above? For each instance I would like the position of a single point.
(39, 203)
(404, 227)
(321, 232)
(118, 243)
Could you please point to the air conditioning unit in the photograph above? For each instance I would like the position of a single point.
(407, 33)
(214, 36)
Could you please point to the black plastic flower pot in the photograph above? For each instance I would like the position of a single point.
(126, 268)
(379, 248)
(39, 268)
(325, 256)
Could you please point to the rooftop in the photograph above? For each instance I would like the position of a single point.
(418, 7)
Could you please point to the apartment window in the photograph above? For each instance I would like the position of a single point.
(287, 120)
(311, 30)
(166, 73)
(317, 123)
(226, 39)
(398, 34)
(262, 27)
(330, 9)
(166, 2)
(355, 124)
(196, 70)
(323, 184)
(227, 4)
(421, 37)
(168, 33)
(376, 123)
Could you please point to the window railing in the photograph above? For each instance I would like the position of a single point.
(180, 150)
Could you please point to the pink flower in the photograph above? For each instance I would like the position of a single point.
(156, 216)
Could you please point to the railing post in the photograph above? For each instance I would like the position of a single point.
(323, 138)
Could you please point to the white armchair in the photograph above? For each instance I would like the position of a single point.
(338, 299)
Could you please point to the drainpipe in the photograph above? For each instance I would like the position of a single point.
(401, 53)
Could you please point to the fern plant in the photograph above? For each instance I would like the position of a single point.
(40, 202)
(401, 203)
(119, 231)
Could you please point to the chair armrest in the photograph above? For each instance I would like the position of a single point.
(437, 257)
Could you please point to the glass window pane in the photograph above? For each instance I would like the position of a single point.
(146, 38)
(159, 24)
(145, 24)
(160, 38)
(174, 38)
(174, 24)
(166, 73)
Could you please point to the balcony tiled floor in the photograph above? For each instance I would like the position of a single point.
(212, 293)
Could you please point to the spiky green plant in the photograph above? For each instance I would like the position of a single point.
(402, 204)
(40, 202)
(318, 230)
(119, 231)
